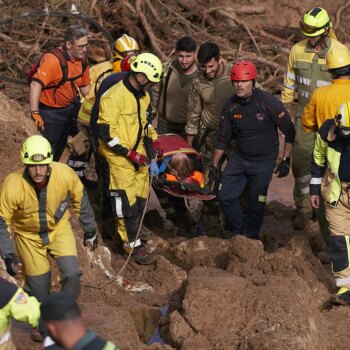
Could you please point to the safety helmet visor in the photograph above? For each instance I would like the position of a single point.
(310, 30)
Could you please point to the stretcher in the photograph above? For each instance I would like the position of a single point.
(173, 144)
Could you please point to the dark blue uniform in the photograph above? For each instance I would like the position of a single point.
(253, 122)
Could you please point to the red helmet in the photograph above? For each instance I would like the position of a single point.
(125, 64)
(243, 70)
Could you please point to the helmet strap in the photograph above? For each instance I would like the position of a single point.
(141, 87)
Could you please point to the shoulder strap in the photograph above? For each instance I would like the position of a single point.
(99, 77)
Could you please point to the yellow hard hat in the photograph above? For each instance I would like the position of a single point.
(342, 118)
(36, 150)
(126, 43)
(148, 64)
(337, 56)
(315, 22)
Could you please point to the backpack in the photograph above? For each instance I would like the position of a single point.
(64, 67)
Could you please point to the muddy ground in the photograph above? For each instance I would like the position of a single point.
(208, 292)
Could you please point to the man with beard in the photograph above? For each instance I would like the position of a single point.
(54, 90)
(208, 94)
(252, 116)
(175, 87)
(305, 72)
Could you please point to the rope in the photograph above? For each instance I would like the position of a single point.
(115, 277)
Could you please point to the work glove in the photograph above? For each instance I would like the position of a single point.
(91, 240)
(138, 158)
(157, 148)
(153, 168)
(38, 121)
(214, 178)
(282, 168)
(13, 265)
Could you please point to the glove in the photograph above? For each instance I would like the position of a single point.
(157, 149)
(13, 265)
(138, 158)
(91, 240)
(282, 168)
(38, 121)
(153, 168)
(214, 178)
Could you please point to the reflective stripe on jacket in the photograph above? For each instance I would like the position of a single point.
(324, 103)
(122, 123)
(325, 164)
(37, 214)
(306, 71)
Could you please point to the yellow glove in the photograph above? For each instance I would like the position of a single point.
(38, 121)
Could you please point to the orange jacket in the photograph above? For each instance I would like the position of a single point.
(196, 178)
(49, 73)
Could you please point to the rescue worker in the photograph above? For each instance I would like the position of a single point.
(124, 47)
(82, 145)
(55, 103)
(330, 177)
(15, 303)
(325, 101)
(305, 72)
(207, 96)
(125, 133)
(62, 317)
(252, 116)
(34, 203)
(175, 87)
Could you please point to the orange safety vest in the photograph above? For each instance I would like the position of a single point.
(196, 176)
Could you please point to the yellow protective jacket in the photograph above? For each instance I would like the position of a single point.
(97, 74)
(15, 303)
(37, 214)
(325, 164)
(306, 71)
(324, 103)
(205, 101)
(122, 122)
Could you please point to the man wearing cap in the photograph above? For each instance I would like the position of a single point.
(62, 317)
(15, 303)
(34, 205)
(252, 116)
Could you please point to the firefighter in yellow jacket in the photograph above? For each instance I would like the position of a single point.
(124, 132)
(15, 303)
(34, 203)
(330, 179)
(125, 48)
(305, 72)
(325, 101)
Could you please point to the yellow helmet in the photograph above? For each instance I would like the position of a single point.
(36, 150)
(315, 22)
(338, 56)
(148, 64)
(125, 43)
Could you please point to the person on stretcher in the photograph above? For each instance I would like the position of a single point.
(180, 170)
